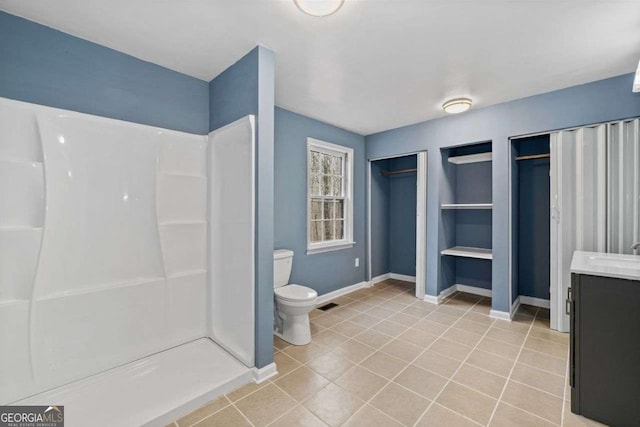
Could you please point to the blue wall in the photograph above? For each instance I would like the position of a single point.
(48, 67)
(329, 271)
(380, 209)
(402, 217)
(595, 102)
(234, 92)
(247, 87)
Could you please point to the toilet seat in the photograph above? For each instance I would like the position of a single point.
(295, 293)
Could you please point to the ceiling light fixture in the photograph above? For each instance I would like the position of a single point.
(636, 80)
(457, 105)
(319, 7)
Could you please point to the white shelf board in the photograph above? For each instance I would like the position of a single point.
(467, 206)
(468, 252)
(471, 158)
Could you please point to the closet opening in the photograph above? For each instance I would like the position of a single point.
(531, 224)
(466, 220)
(397, 221)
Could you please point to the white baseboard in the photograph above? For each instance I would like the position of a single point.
(431, 299)
(447, 292)
(514, 307)
(474, 290)
(457, 288)
(402, 277)
(380, 278)
(501, 315)
(260, 375)
(536, 302)
(342, 291)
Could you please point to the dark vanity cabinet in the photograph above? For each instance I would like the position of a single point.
(605, 349)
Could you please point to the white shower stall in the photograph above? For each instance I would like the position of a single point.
(126, 264)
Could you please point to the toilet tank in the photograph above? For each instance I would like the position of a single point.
(282, 262)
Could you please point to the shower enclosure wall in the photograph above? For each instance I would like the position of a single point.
(105, 257)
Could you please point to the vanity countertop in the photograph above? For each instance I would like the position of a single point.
(606, 265)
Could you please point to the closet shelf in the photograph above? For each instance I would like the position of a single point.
(468, 252)
(467, 206)
(471, 158)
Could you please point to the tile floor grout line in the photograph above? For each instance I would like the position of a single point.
(512, 369)
(566, 380)
(456, 371)
(405, 368)
(540, 369)
(530, 413)
(304, 364)
(389, 381)
(243, 415)
(231, 404)
(211, 414)
(536, 388)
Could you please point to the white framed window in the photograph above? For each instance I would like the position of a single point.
(329, 196)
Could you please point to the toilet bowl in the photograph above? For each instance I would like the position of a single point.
(292, 302)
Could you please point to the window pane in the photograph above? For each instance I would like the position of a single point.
(336, 166)
(314, 183)
(316, 231)
(315, 162)
(326, 163)
(339, 235)
(337, 186)
(326, 185)
(316, 209)
(339, 209)
(328, 209)
(328, 230)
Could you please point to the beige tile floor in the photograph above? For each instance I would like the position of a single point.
(385, 358)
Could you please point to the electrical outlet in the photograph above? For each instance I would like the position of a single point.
(357, 262)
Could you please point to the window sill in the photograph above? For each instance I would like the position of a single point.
(329, 248)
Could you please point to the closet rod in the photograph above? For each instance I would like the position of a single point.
(534, 156)
(397, 172)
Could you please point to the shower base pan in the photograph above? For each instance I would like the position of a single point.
(153, 391)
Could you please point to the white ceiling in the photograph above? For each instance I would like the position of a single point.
(376, 64)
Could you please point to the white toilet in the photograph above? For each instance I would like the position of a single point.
(292, 302)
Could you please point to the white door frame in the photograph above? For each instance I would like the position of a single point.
(421, 220)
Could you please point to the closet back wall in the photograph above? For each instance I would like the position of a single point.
(328, 271)
(402, 217)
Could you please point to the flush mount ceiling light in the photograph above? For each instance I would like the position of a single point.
(319, 7)
(636, 80)
(458, 105)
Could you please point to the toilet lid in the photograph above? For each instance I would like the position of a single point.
(295, 293)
